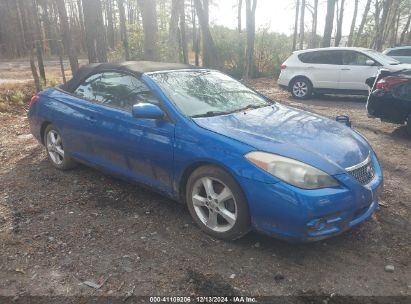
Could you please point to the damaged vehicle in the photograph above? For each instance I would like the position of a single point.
(390, 97)
(239, 160)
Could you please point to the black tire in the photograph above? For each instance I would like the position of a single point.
(409, 125)
(59, 161)
(241, 225)
(301, 88)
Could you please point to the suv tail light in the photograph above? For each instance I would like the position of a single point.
(283, 66)
(34, 99)
(390, 82)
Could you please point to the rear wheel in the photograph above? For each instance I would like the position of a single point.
(217, 203)
(55, 149)
(301, 88)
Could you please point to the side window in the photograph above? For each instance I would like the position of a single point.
(116, 89)
(354, 58)
(400, 52)
(321, 57)
(87, 89)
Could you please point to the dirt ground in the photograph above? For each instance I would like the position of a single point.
(59, 229)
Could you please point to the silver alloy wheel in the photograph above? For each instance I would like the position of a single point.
(55, 147)
(300, 89)
(214, 204)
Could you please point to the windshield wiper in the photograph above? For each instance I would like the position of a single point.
(249, 107)
(210, 113)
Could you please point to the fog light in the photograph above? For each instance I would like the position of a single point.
(317, 224)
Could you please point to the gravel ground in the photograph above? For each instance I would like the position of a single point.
(59, 229)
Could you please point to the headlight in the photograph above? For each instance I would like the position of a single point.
(292, 171)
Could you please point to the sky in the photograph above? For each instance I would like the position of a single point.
(279, 15)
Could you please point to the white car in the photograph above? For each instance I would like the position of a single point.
(335, 70)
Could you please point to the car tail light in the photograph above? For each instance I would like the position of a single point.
(34, 99)
(390, 82)
(283, 66)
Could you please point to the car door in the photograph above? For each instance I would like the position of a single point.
(140, 149)
(355, 71)
(322, 68)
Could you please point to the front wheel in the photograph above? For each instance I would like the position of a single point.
(301, 88)
(217, 203)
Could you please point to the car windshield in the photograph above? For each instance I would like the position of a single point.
(384, 59)
(201, 93)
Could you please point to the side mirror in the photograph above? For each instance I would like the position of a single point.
(370, 62)
(147, 111)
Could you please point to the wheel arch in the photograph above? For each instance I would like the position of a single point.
(43, 127)
(296, 77)
(182, 183)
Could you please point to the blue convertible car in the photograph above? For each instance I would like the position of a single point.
(239, 160)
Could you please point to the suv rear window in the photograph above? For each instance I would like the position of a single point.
(400, 52)
(322, 57)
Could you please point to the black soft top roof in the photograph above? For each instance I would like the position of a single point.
(134, 67)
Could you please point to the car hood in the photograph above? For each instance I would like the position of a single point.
(313, 139)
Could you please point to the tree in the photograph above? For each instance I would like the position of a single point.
(340, 17)
(123, 28)
(251, 6)
(381, 32)
(406, 28)
(210, 56)
(196, 34)
(110, 24)
(297, 11)
(95, 33)
(302, 29)
(173, 36)
(66, 36)
(150, 27)
(329, 21)
(363, 21)
(239, 12)
(184, 46)
(354, 20)
(313, 42)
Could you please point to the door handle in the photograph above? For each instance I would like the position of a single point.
(91, 119)
(346, 69)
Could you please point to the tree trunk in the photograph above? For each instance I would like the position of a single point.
(196, 39)
(352, 28)
(123, 28)
(313, 42)
(340, 18)
(34, 71)
(38, 41)
(381, 33)
(66, 36)
(297, 11)
(110, 24)
(95, 33)
(302, 28)
(210, 55)
(239, 11)
(405, 29)
(184, 46)
(362, 24)
(249, 54)
(150, 27)
(63, 74)
(329, 22)
(173, 36)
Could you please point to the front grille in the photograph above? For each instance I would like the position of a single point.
(363, 173)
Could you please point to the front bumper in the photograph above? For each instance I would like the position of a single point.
(294, 214)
